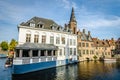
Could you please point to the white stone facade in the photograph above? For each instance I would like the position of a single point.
(63, 51)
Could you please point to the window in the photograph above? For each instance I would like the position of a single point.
(92, 52)
(25, 53)
(67, 41)
(43, 39)
(108, 53)
(79, 44)
(70, 41)
(87, 45)
(74, 51)
(36, 38)
(32, 25)
(42, 53)
(49, 53)
(105, 53)
(35, 53)
(63, 40)
(70, 51)
(51, 39)
(57, 40)
(83, 51)
(40, 25)
(74, 42)
(87, 51)
(83, 44)
(91, 45)
(28, 37)
(79, 52)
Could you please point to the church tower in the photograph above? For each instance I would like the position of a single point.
(73, 22)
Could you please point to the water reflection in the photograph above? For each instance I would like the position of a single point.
(59, 73)
(81, 71)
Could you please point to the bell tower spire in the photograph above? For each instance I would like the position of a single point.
(72, 17)
(73, 22)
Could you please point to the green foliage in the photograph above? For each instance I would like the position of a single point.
(95, 57)
(12, 44)
(4, 45)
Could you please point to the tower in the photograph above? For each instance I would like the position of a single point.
(73, 22)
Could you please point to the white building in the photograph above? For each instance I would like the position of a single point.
(41, 37)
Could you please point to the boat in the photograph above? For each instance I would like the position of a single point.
(32, 57)
(110, 59)
(9, 62)
(3, 55)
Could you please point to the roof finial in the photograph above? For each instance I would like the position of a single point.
(72, 18)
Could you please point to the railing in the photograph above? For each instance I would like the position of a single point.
(26, 60)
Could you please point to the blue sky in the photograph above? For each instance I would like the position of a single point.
(101, 17)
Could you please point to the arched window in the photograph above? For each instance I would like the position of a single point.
(43, 38)
(28, 36)
(52, 39)
(36, 37)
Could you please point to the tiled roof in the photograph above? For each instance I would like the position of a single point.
(36, 46)
(47, 23)
(36, 20)
(100, 43)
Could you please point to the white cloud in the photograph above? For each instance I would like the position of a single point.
(67, 4)
(88, 19)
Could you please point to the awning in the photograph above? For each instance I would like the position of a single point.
(36, 46)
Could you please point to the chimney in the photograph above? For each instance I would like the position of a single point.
(84, 31)
(112, 39)
(65, 25)
(88, 33)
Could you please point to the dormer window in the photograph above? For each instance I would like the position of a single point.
(40, 25)
(52, 27)
(32, 25)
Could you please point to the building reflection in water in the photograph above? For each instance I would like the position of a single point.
(81, 71)
(59, 73)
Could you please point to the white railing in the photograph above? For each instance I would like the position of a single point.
(26, 60)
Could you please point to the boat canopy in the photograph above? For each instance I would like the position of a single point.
(36, 46)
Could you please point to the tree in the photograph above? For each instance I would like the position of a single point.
(12, 44)
(95, 57)
(4, 45)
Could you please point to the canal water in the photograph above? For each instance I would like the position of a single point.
(82, 71)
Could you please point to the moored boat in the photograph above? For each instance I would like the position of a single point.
(33, 59)
(110, 59)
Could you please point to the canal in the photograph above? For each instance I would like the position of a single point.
(82, 71)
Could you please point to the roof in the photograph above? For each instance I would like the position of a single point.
(100, 43)
(37, 20)
(85, 37)
(36, 46)
(47, 24)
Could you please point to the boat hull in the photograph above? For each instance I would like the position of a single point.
(26, 68)
(111, 60)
